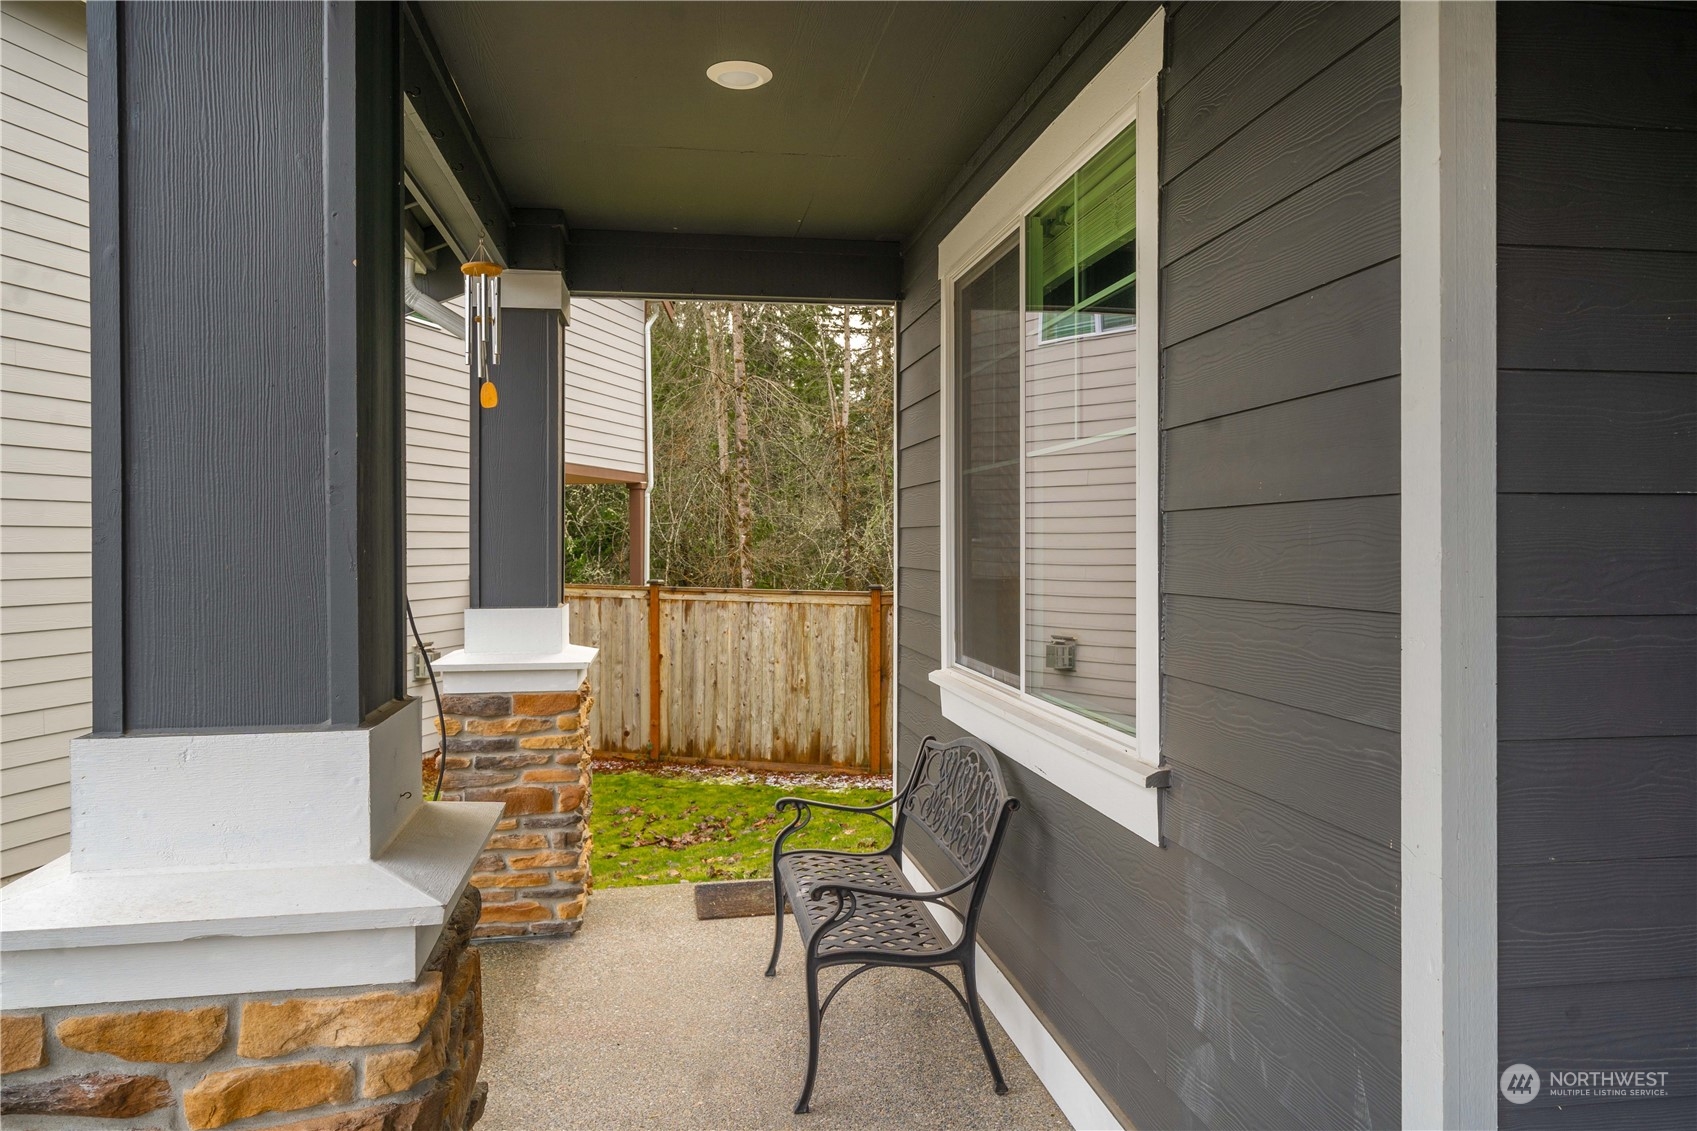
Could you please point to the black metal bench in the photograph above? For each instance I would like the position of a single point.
(859, 908)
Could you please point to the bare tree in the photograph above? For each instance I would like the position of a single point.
(776, 471)
(840, 433)
(739, 401)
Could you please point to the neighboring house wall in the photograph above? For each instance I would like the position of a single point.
(1246, 973)
(1597, 552)
(1078, 393)
(606, 401)
(44, 579)
(438, 498)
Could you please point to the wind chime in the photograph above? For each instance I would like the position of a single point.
(482, 321)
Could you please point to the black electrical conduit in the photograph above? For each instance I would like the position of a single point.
(441, 718)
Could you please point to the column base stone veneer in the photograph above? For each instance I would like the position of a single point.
(517, 733)
(396, 1057)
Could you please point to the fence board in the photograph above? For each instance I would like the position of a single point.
(772, 677)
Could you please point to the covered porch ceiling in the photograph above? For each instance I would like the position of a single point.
(604, 111)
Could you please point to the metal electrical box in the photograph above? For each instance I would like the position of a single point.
(1061, 654)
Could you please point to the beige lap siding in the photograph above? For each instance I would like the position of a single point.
(44, 434)
(606, 369)
(1081, 516)
(438, 498)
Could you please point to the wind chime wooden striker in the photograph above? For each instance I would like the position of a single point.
(483, 321)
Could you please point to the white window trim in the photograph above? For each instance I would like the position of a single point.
(1113, 772)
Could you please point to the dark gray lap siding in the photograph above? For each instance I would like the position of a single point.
(1247, 973)
(1597, 553)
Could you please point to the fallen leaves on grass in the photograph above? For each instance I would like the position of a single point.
(665, 824)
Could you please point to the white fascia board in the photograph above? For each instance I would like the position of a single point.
(1088, 762)
(200, 967)
(1066, 1085)
(77, 937)
(576, 656)
(536, 290)
(472, 673)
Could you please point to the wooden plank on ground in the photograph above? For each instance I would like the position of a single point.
(733, 899)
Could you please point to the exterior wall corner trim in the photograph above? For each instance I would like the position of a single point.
(1448, 565)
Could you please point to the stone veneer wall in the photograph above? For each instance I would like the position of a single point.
(530, 752)
(370, 1058)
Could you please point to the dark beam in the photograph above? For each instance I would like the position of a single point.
(536, 239)
(446, 157)
(757, 268)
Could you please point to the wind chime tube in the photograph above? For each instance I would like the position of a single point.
(482, 347)
(483, 322)
(465, 341)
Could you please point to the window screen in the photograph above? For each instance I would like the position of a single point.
(1081, 247)
(1080, 439)
(987, 431)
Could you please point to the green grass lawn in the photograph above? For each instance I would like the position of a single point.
(660, 827)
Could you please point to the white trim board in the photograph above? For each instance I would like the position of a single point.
(1083, 759)
(1066, 1085)
(1449, 574)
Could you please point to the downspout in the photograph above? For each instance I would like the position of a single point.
(426, 307)
(653, 312)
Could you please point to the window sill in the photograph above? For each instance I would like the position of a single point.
(1100, 771)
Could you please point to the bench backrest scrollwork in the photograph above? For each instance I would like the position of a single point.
(956, 796)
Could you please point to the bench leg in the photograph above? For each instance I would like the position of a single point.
(777, 923)
(968, 969)
(813, 1019)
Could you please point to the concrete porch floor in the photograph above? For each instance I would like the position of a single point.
(649, 1018)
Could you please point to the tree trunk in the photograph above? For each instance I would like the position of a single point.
(717, 384)
(739, 402)
(840, 431)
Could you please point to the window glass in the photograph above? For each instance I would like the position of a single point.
(1080, 437)
(1081, 247)
(987, 426)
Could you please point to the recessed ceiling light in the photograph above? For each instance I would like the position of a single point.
(739, 74)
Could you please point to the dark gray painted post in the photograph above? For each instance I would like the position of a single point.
(516, 469)
(516, 455)
(247, 482)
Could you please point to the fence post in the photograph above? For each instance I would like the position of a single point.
(654, 671)
(875, 678)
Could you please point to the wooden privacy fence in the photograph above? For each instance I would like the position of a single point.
(750, 676)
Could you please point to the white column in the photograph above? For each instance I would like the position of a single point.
(1449, 588)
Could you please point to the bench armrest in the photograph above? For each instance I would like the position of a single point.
(803, 809)
(796, 802)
